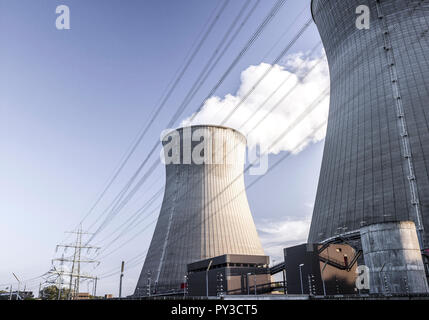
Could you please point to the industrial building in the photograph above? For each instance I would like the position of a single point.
(321, 269)
(205, 212)
(372, 202)
(374, 179)
(229, 275)
(393, 256)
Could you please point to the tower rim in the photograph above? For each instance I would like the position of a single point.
(311, 8)
(205, 126)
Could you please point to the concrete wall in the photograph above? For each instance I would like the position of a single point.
(234, 280)
(228, 273)
(205, 212)
(339, 281)
(364, 177)
(336, 281)
(392, 253)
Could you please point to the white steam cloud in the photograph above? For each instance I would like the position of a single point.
(304, 90)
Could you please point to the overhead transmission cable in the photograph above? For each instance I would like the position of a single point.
(283, 52)
(248, 45)
(272, 66)
(289, 128)
(198, 83)
(170, 91)
(283, 83)
(140, 136)
(286, 80)
(282, 99)
(188, 60)
(275, 61)
(137, 259)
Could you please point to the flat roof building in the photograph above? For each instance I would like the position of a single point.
(229, 274)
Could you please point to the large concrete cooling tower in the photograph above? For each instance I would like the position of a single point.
(205, 212)
(376, 160)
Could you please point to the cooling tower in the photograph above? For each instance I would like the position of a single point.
(376, 159)
(205, 212)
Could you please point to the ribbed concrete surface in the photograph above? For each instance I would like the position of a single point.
(364, 177)
(204, 214)
(392, 253)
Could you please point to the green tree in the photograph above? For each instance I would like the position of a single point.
(51, 293)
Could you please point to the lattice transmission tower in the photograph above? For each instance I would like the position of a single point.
(76, 260)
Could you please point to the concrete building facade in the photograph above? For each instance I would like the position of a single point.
(205, 212)
(376, 159)
(229, 275)
(321, 270)
(393, 256)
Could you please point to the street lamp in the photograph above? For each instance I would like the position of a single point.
(255, 283)
(185, 285)
(149, 283)
(248, 284)
(300, 276)
(207, 277)
(323, 279)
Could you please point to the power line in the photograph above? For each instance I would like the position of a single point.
(76, 260)
(309, 109)
(313, 50)
(132, 219)
(248, 45)
(159, 107)
(130, 239)
(132, 227)
(287, 29)
(197, 84)
(139, 258)
(206, 71)
(282, 99)
(120, 168)
(279, 57)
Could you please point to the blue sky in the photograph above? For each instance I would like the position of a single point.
(72, 101)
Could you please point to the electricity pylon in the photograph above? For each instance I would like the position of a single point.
(76, 260)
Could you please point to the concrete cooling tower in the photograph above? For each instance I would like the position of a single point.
(205, 212)
(375, 165)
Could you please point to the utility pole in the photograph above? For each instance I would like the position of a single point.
(120, 279)
(19, 285)
(76, 260)
(95, 286)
